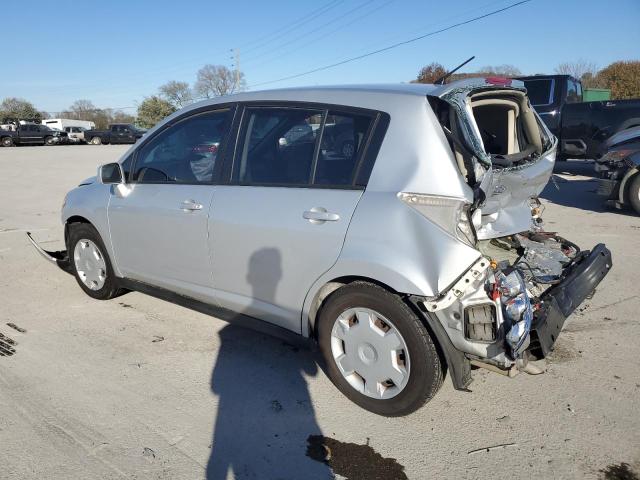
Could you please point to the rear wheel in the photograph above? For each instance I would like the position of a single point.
(7, 141)
(96, 141)
(634, 193)
(91, 264)
(377, 351)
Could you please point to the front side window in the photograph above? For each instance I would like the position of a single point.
(185, 152)
(343, 140)
(278, 146)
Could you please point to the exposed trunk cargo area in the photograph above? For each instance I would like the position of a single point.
(503, 150)
(512, 303)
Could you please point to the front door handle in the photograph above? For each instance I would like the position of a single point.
(190, 206)
(319, 215)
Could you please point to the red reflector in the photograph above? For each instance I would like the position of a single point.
(498, 81)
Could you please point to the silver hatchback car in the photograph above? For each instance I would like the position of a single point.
(396, 226)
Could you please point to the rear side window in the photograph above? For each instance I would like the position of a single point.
(343, 140)
(278, 146)
(186, 152)
(301, 147)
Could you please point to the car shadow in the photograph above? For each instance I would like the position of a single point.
(579, 192)
(265, 413)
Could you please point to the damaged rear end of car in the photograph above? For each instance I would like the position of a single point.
(511, 305)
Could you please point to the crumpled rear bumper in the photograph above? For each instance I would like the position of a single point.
(562, 299)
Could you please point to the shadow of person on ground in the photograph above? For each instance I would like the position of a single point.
(265, 414)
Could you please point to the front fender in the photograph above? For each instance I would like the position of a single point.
(91, 202)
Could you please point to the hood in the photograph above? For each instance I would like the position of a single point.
(503, 149)
(88, 181)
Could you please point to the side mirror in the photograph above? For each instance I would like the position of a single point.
(111, 173)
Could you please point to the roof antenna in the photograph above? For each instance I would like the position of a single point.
(441, 80)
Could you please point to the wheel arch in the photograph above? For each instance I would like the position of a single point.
(623, 196)
(452, 359)
(67, 225)
(98, 221)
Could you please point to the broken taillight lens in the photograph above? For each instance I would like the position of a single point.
(498, 81)
(449, 213)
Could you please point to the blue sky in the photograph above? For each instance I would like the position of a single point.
(115, 53)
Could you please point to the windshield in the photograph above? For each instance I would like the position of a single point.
(540, 92)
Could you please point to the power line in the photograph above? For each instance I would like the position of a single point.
(292, 27)
(390, 47)
(309, 32)
(321, 37)
(178, 66)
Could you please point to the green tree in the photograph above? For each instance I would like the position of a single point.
(152, 110)
(15, 109)
(623, 78)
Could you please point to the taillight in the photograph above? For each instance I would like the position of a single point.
(449, 213)
(498, 81)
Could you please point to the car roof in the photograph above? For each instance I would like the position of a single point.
(324, 94)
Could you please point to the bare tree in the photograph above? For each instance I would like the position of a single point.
(216, 80)
(577, 69)
(86, 110)
(177, 93)
(505, 70)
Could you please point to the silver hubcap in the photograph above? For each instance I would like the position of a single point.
(90, 264)
(370, 353)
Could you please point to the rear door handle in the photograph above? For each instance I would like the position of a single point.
(190, 205)
(320, 215)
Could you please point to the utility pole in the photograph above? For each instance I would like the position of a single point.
(236, 64)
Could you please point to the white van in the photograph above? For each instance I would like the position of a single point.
(74, 128)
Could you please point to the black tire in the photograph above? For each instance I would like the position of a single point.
(634, 193)
(7, 142)
(96, 141)
(48, 141)
(110, 289)
(426, 372)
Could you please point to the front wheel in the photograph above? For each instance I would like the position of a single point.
(96, 141)
(377, 351)
(634, 193)
(91, 264)
(48, 141)
(7, 141)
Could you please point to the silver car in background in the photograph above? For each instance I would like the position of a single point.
(396, 226)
